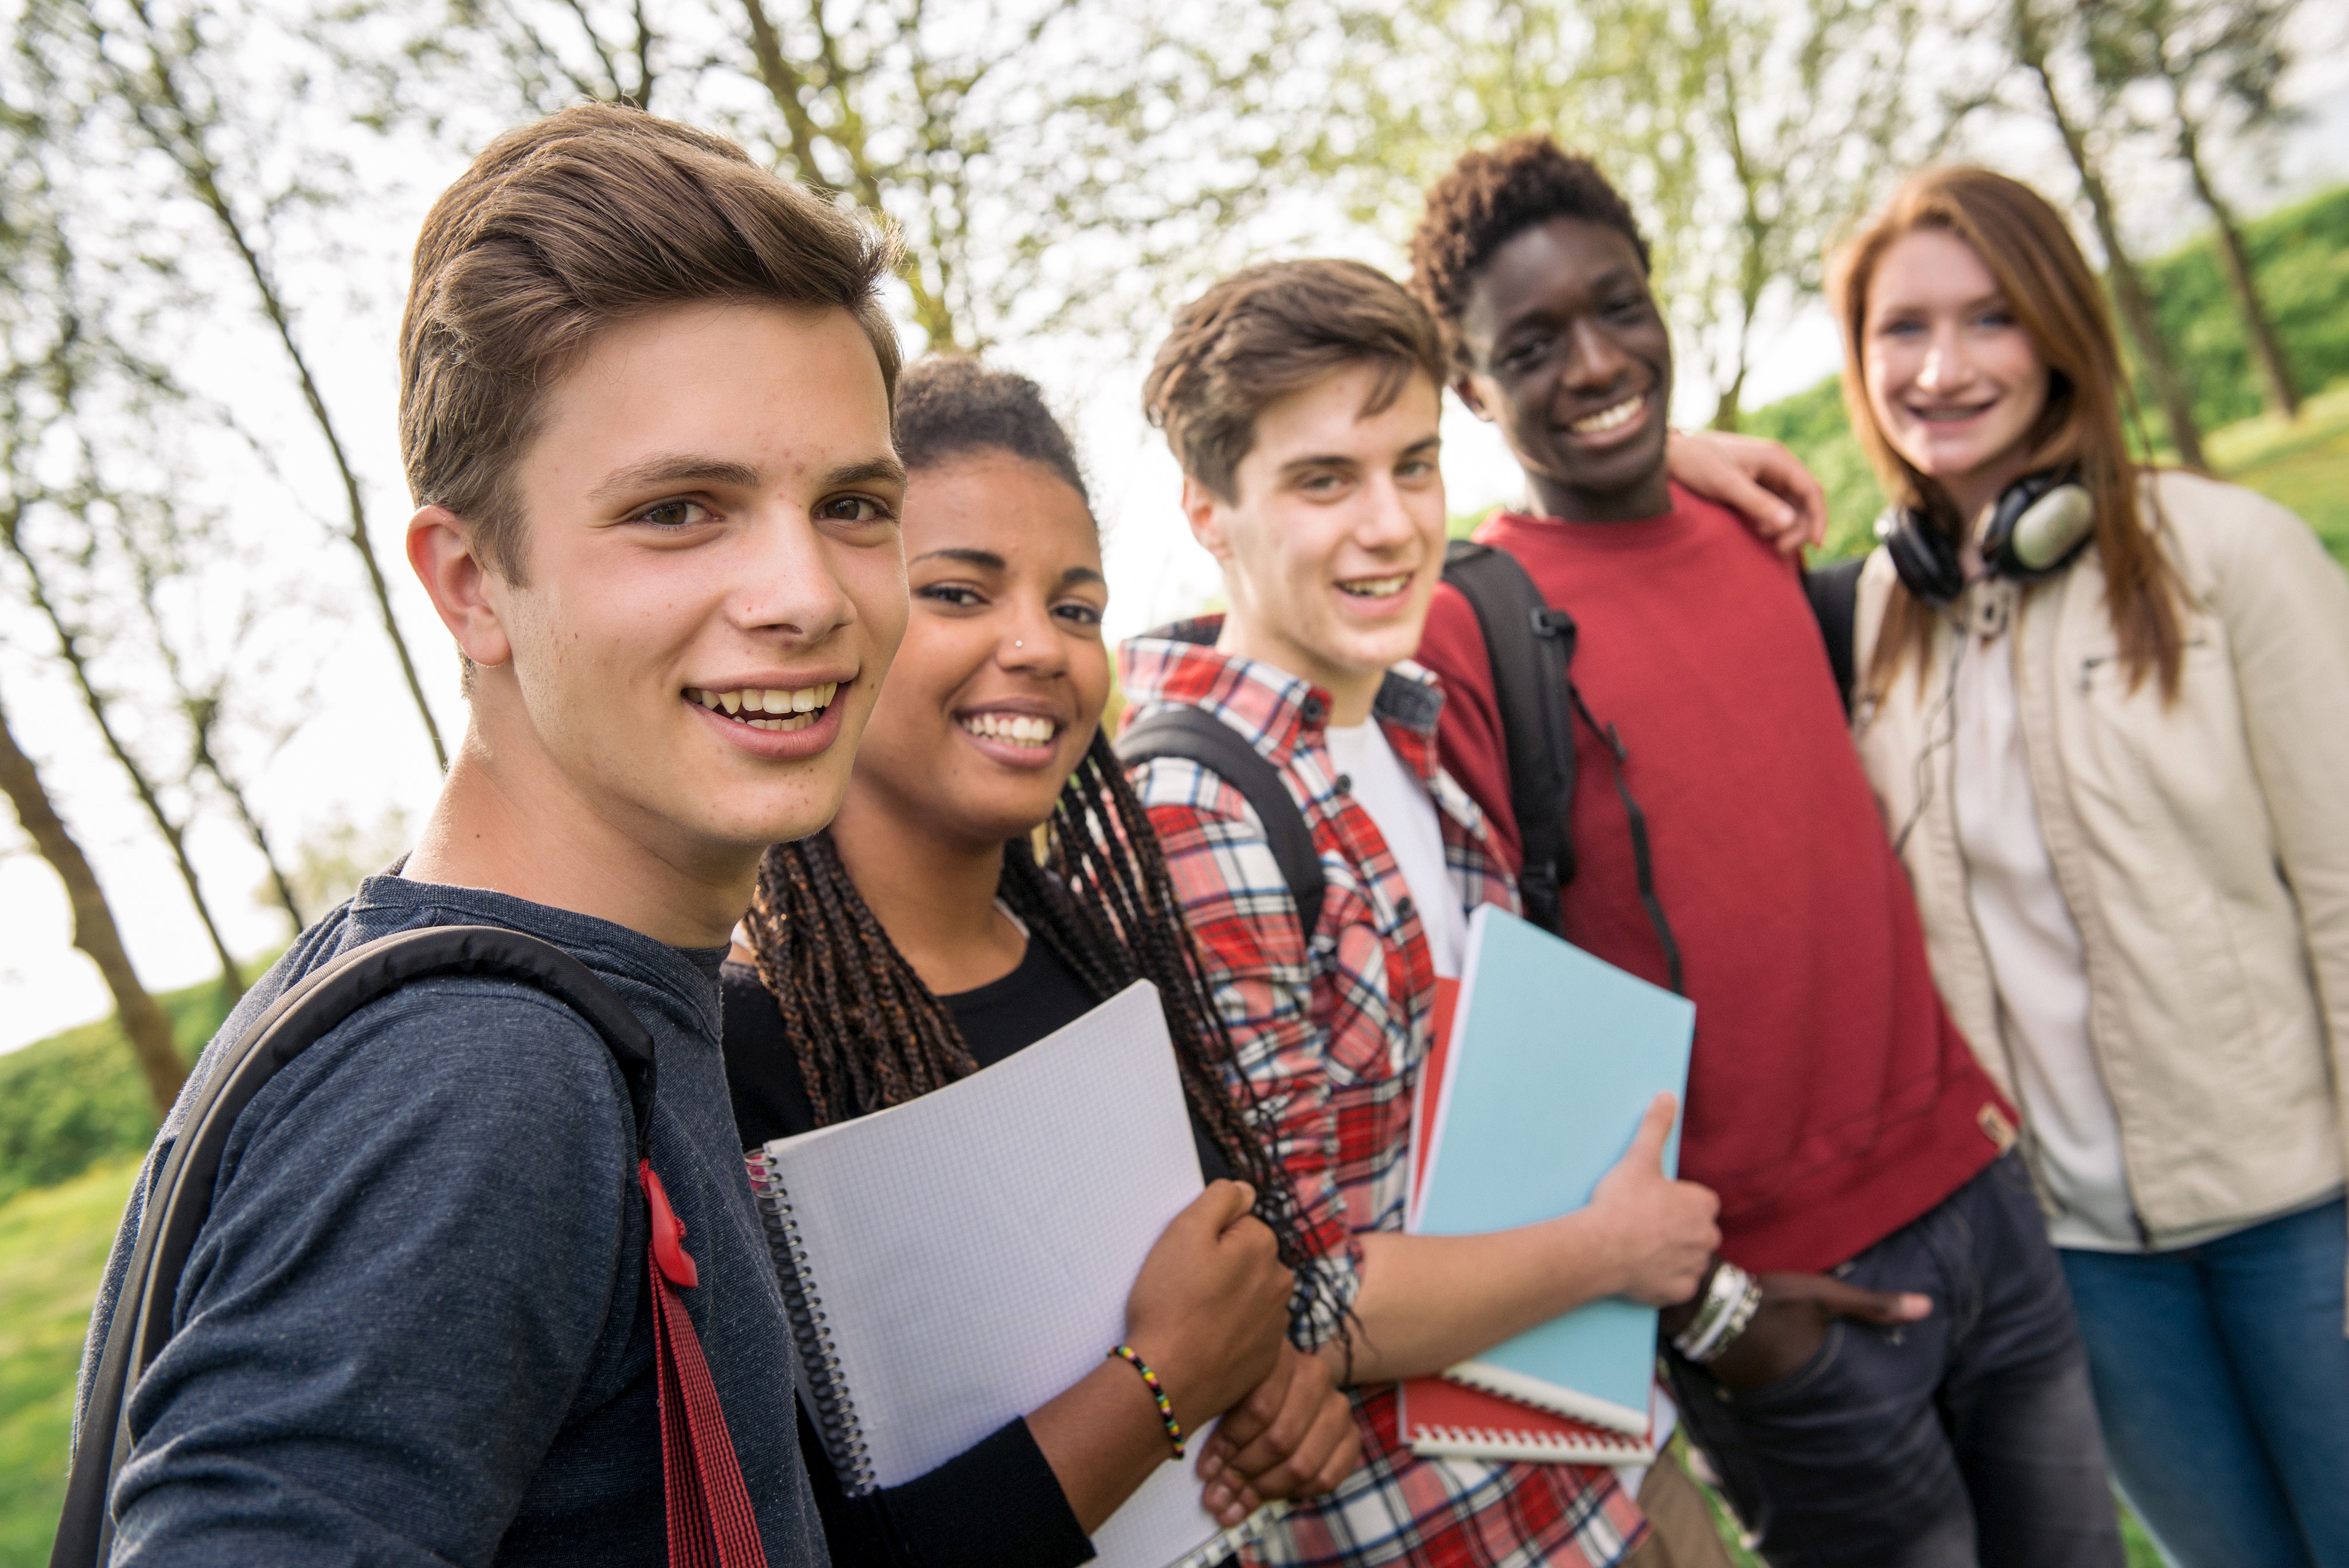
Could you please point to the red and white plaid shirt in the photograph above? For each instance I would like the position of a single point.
(1331, 1033)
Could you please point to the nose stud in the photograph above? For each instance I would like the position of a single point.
(1016, 643)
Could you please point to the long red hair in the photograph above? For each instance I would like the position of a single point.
(2054, 296)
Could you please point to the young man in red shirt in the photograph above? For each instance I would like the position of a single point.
(1850, 1134)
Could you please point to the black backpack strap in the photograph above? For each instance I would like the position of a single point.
(1199, 736)
(1530, 647)
(1834, 592)
(181, 1194)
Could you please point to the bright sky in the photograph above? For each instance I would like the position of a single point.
(361, 756)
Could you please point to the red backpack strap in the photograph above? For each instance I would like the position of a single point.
(710, 1525)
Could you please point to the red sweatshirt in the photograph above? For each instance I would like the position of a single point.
(1830, 1099)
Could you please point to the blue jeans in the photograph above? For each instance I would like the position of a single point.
(1967, 1440)
(2222, 1379)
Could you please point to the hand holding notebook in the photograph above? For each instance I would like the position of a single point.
(955, 1261)
(1552, 1059)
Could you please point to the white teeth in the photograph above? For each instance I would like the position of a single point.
(1376, 588)
(1019, 729)
(1621, 414)
(797, 707)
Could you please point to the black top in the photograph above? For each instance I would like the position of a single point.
(998, 1501)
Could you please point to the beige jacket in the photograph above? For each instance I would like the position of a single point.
(2203, 847)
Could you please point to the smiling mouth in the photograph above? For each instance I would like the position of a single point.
(1374, 588)
(1609, 418)
(768, 708)
(1950, 416)
(1032, 731)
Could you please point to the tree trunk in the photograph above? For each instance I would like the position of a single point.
(2283, 397)
(2128, 287)
(95, 933)
(69, 645)
(182, 141)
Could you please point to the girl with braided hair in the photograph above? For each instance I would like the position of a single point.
(921, 937)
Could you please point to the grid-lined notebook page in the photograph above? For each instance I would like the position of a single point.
(971, 1250)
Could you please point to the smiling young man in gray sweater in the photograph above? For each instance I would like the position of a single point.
(645, 410)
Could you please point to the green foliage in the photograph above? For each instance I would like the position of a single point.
(76, 1098)
(52, 1248)
(2301, 256)
(1814, 425)
(2304, 464)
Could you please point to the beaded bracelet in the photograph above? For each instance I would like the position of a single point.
(1158, 1394)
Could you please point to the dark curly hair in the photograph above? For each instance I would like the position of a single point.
(949, 406)
(1488, 198)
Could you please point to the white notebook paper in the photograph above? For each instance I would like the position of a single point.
(959, 1260)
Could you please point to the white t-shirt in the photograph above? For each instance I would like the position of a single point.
(2036, 957)
(1398, 805)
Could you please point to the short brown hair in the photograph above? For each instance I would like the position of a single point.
(2047, 283)
(1269, 330)
(564, 227)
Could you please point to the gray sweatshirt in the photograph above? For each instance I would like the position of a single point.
(417, 1327)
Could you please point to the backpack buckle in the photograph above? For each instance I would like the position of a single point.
(1548, 622)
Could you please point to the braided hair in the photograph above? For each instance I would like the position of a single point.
(868, 1033)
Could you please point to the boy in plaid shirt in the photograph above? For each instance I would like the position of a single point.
(1301, 399)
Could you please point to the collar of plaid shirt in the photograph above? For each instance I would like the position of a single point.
(1180, 664)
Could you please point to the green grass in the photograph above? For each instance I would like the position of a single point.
(2304, 464)
(52, 1245)
(75, 1098)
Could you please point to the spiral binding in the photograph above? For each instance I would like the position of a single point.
(833, 1410)
(1489, 1443)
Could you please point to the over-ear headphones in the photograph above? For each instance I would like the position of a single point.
(2038, 524)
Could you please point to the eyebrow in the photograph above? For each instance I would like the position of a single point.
(1321, 459)
(1543, 312)
(701, 468)
(989, 561)
(677, 468)
(985, 560)
(884, 469)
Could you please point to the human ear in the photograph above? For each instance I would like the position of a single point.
(1204, 511)
(1465, 388)
(466, 591)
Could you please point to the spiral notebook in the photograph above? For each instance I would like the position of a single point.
(954, 1262)
(1550, 1061)
(1440, 1419)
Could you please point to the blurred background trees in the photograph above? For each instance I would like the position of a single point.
(197, 446)
(222, 699)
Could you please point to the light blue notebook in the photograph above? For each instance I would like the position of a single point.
(1555, 1056)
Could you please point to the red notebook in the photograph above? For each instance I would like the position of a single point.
(1442, 1420)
